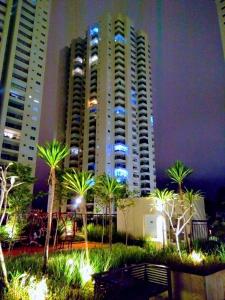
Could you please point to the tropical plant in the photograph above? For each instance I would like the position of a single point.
(179, 214)
(8, 182)
(124, 205)
(19, 201)
(177, 173)
(110, 189)
(52, 153)
(80, 183)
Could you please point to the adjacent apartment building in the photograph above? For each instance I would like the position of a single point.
(109, 114)
(220, 5)
(23, 45)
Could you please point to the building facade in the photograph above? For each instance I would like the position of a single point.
(220, 5)
(109, 125)
(23, 45)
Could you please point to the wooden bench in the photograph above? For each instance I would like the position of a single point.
(137, 282)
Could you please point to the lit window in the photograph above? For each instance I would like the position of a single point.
(93, 102)
(78, 59)
(93, 109)
(119, 38)
(133, 101)
(94, 41)
(94, 30)
(77, 71)
(74, 151)
(11, 134)
(93, 59)
(121, 147)
(152, 120)
(121, 173)
(119, 110)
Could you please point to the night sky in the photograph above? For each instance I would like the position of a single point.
(188, 80)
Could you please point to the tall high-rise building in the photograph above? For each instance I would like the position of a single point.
(109, 125)
(220, 5)
(23, 45)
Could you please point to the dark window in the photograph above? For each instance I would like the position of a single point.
(24, 43)
(26, 27)
(27, 19)
(23, 51)
(26, 35)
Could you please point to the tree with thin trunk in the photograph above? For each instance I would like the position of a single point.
(177, 173)
(101, 206)
(8, 183)
(52, 153)
(124, 205)
(179, 214)
(110, 189)
(80, 183)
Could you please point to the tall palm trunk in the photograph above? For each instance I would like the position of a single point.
(84, 217)
(49, 222)
(3, 267)
(110, 224)
(186, 236)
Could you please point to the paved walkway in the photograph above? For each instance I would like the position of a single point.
(36, 249)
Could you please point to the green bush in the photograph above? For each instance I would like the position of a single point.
(65, 278)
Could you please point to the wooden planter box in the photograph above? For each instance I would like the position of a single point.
(188, 286)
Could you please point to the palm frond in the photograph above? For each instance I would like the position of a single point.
(78, 182)
(161, 195)
(108, 187)
(178, 172)
(53, 152)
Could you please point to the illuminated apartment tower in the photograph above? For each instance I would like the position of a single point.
(220, 4)
(116, 136)
(23, 44)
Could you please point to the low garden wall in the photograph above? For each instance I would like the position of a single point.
(188, 286)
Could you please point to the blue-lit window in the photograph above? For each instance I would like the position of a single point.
(133, 101)
(151, 120)
(91, 166)
(121, 147)
(121, 179)
(119, 38)
(94, 41)
(121, 173)
(93, 109)
(133, 93)
(94, 30)
(119, 110)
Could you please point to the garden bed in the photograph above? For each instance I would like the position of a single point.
(66, 269)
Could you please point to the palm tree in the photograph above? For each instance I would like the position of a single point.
(52, 153)
(80, 183)
(178, 172)
(110, 189)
